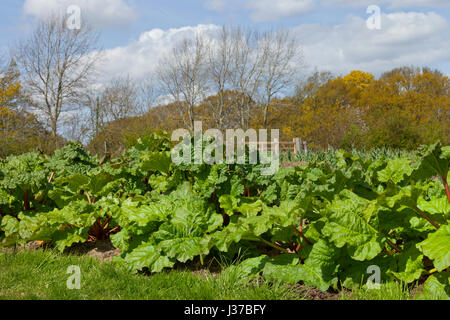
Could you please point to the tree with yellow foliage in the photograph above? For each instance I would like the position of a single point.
(406, 107)
(20, 131)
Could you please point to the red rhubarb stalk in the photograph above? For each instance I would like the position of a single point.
(51, 177)
(300, 233)
(447, 189)
(426, 217)
(88, 197)
(26, 200)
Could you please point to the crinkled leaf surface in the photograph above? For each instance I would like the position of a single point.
(437, 247)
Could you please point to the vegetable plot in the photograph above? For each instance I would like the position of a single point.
(321, 224)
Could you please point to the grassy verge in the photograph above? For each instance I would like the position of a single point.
(388, 291)
(43, 275)
(35, 275)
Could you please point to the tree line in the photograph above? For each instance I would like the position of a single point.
(240, 78)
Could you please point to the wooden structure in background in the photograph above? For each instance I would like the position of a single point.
(296, 146)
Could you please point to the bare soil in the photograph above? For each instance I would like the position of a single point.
(102, 250)
(315, 294)
(417, 290)
(34, 245)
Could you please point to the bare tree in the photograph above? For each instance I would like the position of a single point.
(148, 94)
(219, 64)
(94, 115)
(56, 64)
(120, 99)
(308, 87)
(76, 127)
(233, 66)
(182, 74)
(246, 71)
(281, 60)
(240, 63)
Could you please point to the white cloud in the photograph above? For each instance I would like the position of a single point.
(100, 13)
(273, 10)
(390, 3)
(418, 3)
(270, 10)
(140, 57)
(412, 38)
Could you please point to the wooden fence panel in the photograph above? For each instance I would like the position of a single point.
(296, 146)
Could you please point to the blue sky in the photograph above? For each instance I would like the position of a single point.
(333, 33)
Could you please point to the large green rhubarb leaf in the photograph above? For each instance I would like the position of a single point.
(348, 227)
(437, 287)
(357, 273)
(66, 238)
(233, 233)
(147, 256)
(318, 271)
(143, 215)
(156, 162)
(396, 171)
(435, 160)
(437, 248)
(185, 248)
(410, 265)
(229, 204)
(4, 197)
(320, 267)
(246, 270)
(10, 225)
(284, 268)
(435, 206)
(251, 209)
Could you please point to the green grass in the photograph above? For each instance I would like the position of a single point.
(35, 275)
(31, 275)
(387, 291)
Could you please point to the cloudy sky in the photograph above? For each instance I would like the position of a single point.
(333, 33)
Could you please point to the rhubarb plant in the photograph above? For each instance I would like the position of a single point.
(324, 224)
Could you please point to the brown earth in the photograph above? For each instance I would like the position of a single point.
(315, 294)
(102, 250)
(417, 290)
(33, 245)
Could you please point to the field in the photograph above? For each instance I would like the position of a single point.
(334, 226)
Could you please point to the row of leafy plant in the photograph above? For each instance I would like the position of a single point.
(329, 155)
(323, 224)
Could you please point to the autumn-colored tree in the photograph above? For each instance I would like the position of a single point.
(116, 136)
(324, 117)
(232, 102)
(20, 131)
(407, 107)
(404, 108)
(9, 86)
